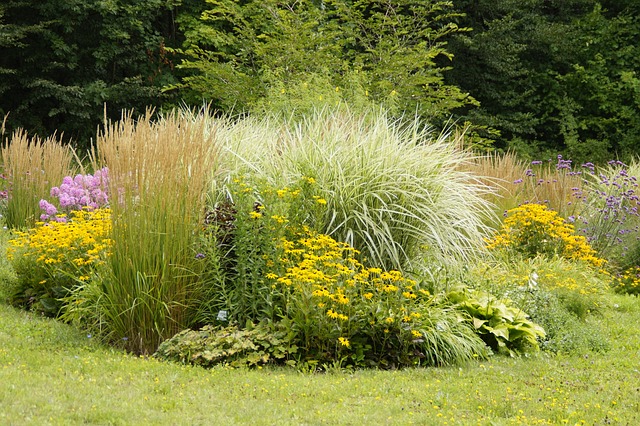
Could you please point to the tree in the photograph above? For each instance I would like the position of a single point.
(553, 76)
(255, 53)
(63, 60)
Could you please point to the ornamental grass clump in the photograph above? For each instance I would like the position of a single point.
(534, 229)
(160, 172)
(551, 182)
(53, 258)
(393, 190)
(31, 167)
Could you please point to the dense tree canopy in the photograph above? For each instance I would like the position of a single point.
(249, 54)
(63, 60)
(539, 76)
(553, 75)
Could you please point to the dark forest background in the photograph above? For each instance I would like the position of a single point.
(540, 77)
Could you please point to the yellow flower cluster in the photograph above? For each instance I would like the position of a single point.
(554, 276)
(628, 282)
(81, 241)
(324, 275)
(533, 229)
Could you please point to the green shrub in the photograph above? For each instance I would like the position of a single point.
(568, 330)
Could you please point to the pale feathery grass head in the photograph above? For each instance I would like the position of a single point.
(32, 166)
(394, 191)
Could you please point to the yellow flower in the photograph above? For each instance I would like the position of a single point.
(255, 215)
(409, 295)
(416, 334)
(344, 341)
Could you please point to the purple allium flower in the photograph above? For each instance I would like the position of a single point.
(529, 172)
(536, 163)
(200, 256)
(81, 191)
(517, 181)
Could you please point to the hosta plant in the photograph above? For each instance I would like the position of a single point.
(505, 328)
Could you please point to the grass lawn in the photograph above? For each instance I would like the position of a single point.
(51, 373)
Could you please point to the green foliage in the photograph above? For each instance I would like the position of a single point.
(561, 295)
(240, 240)
(56, 75)
(551, 76)
(252, 345)
(504, 328)
(274, 56)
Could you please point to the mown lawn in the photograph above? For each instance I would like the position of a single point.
(51, 373)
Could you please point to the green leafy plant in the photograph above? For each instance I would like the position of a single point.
(251, 345)
(505, 328)
(239, 244)
(561, 295)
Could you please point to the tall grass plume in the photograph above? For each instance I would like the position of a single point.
(159, 173)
